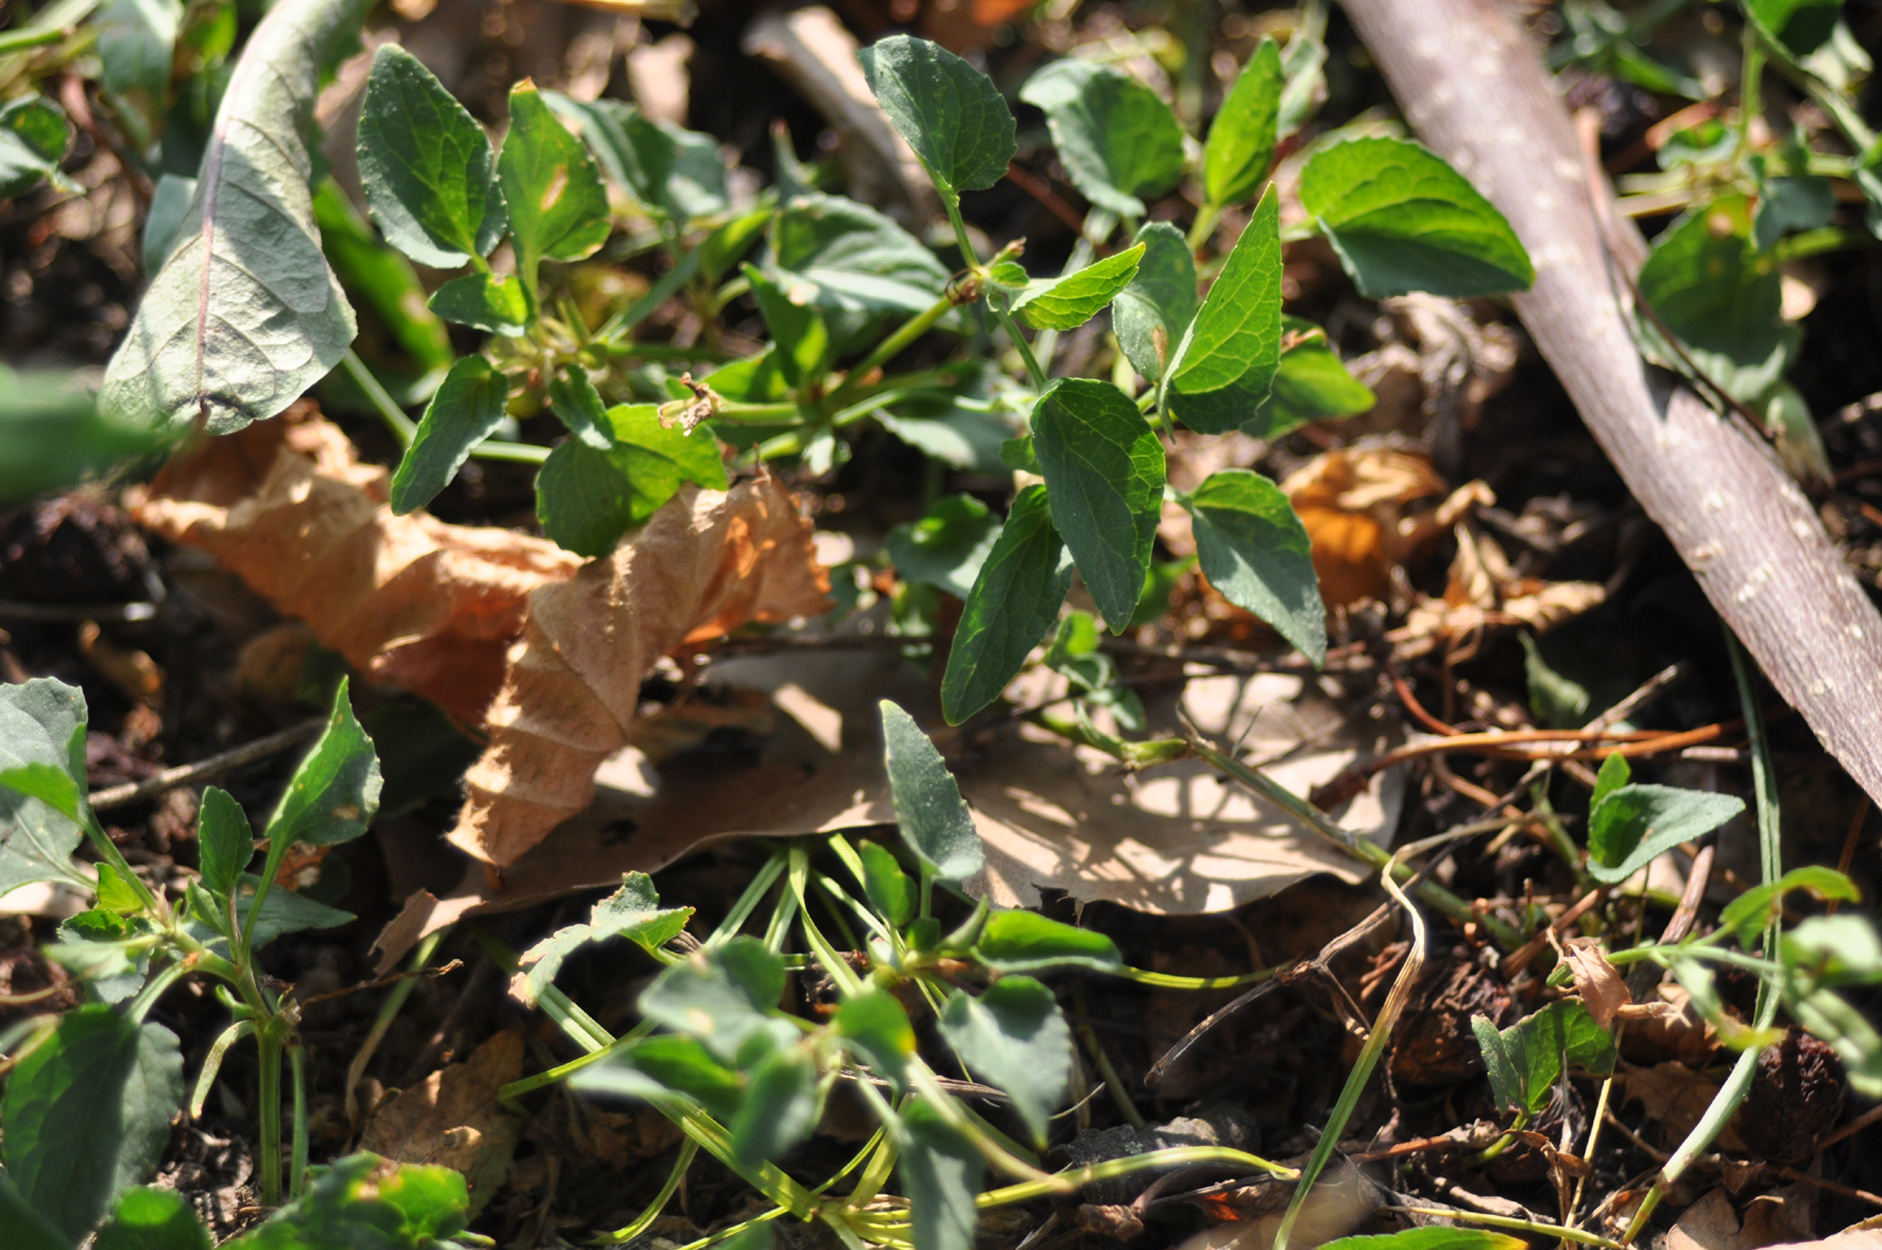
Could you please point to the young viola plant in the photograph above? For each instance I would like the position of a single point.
(88, 1106)
(747, 1080)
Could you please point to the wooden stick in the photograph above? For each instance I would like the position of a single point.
(1472, 85)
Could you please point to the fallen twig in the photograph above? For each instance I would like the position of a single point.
(201, 770)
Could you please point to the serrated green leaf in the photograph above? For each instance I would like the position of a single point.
(1014, 1038)
(941, 1171)
(875, 1025)
(576, 404)
(1746, 916)
(583, 501)
(1634, 824)
(1235, 339)
(1117, 137)
(933, 818)
(34, 135)
(1310, 384)
(426, 165)
(723, 996)
(1069, 302)
(1402, 220)
(466, 409)
(588, 497)
(1104, 476)
(380, 276)
(42, 743)
(1014, 600)
(88, 1113)
(137, 44)
(632, 912)
(1243, 135)
(887, 887)
(364, 1202)
(224, 841)
(1254, 549)
(558, 209)
(670, 172)
(116, 894)
(333, 794)
(152, 1219)
(484, 301)
(946, 548)
(950, 113)
(1525, 1060)
(666, 1064)
(1025, 941)
(1712, 289)
(1151, 314)
(779, 1108)
(844, 257)
(245, 314)
(36, 844)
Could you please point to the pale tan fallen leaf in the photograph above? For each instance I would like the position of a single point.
(708, 562)
(1599, 982)
(288, 506)
(1675, 1096)
(454, 1119)
(1485, 592)
(1782, 1217)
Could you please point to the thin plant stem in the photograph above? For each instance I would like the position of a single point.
(388, 1012)
(405, 430)
(268, 1100)
(892, 346)
(1532, 1227)
(1074, 1179)
(689, 1149)
(297, 1160)
(664, 288)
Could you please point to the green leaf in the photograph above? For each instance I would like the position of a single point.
(245, 314)
(888, 888)
(1431, 1237)
(950, 112)
(558, 209)
(88, 1113)
(779, 1109)
(723, 996)
(587, 498)
(1104, 481)
(1789, 206)
(1117, 137)
(36, 844)
(1310, 384)
(1151, 313)
(941, 1171)
(632, 912)
(34, 135)
(928, 805)
(426, 165)
(1013, 602)
(55, 436)
(484, 301)
(1254, 549)
(1525, 1060)
(1243, 135)
(1632, 825)
(844, 257)
(1069, 302)
(577, 405)
(1713, 290)
(333, 794)
(282, 912)
(670, 172)
(663, 1065)
(1615, 773)
(1236, 336)
(1746, 916)
(137, 44)
(1802, 26)
(583, 501)
(30, 1229)
(42, 743)
(800, 338)
(1402, 220)
(364, 1202)
(1025, 941)
(1835, 950)
(1554, 700)
(466, 409)
(116, 894)
(1014, 1038)
(946, 548)
(875, 1025)
(152, 1219)
(370, 270)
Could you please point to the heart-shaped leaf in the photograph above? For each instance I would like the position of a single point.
(1242, 137)
(1014, 600)
(1117, 137)
(950, 113)
(1015, 1038)
(1254, 549)
(934, 820)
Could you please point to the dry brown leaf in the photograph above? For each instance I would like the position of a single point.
(454, 1119)
(410, 600)
(1361, 509)
(708, 562)
(1599, 982)
(1675, 1096)
(1782, 1217)
(1484, 591)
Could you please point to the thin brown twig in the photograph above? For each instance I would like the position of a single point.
(439, 971)
(189, 774)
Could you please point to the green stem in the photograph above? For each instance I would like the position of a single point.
(268, 1098)
(1204, 225)
(1750, 81)
(1531, 1227)
(891, 347)
(1033, 370)
(1176, 1156)
(297, 1074)
(689, 1149)
(663, 289)
(20, 40)
(405, 430)
(1817, 242)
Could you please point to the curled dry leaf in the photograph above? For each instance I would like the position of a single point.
(1484, 591)
(708, 562)
(288, 506)
(453, 1117)
(1599, 982)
